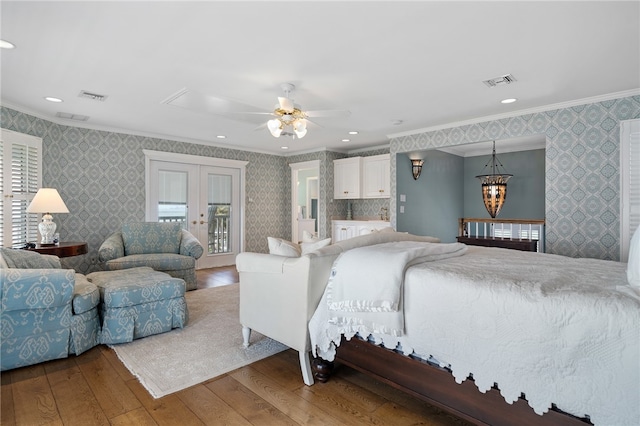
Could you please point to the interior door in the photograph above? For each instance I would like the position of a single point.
(304, 197)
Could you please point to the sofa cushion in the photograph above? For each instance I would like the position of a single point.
(280, 247)
(157, 261)
(25, 259)
(151, 237)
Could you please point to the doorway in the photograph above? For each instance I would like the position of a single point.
(205, 195)
(304, 198)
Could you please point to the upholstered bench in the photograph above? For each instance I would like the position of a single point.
(139, 302)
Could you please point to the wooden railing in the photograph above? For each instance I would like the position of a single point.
(524, 229)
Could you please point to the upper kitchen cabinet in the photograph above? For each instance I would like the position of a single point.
(362, 177)
(347, 178)
(376, 176)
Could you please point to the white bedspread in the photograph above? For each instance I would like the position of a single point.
(369, 280)
(559, 330)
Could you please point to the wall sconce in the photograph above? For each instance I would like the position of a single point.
(416, 168)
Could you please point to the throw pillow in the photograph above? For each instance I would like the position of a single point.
(308, 237)
(315, 245)
(281, 247)
(633, 266)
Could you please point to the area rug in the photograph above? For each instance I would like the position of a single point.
(210, 345)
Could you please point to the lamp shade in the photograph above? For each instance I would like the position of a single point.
(47, 200)
(275, 127)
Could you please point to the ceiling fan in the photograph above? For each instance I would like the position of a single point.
(289, 119)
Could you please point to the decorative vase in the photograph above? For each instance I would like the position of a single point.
(349, 217)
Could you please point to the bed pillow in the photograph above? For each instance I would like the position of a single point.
(281, 247)
(314, 245)
(633, 267)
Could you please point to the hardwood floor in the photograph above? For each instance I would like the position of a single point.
(96, 389)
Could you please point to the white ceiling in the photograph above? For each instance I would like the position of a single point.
(423, 63)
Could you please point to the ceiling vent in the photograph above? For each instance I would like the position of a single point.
(500, 81)
(92, 96)
(76, 117)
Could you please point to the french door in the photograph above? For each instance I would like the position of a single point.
(204, 198)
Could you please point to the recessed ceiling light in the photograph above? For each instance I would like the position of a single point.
(284, 147)
(221, 137)
(346, 140)
(52, 99)
(353, 132)
(508, 101)
(4, 44)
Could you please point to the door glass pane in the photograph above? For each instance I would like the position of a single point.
(172, 197)
(219, 209)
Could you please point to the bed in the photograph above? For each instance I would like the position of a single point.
(496, 336)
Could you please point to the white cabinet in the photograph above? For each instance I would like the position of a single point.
(362, 177)
(345, 229)
(347, 178)
(376, 176)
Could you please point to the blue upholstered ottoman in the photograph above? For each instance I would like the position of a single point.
(139, 302)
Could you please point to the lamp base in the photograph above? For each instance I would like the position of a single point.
(47, 228)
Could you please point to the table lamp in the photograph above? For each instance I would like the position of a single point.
(47, 201)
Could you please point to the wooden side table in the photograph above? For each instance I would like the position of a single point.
(63, 249)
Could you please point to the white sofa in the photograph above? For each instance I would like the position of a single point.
(278, 295)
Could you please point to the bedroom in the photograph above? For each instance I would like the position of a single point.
(588, 110)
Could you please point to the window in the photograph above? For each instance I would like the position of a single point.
(20, 179)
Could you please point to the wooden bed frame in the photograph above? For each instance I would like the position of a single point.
(437, 386)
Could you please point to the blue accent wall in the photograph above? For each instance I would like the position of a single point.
(525, 190)
(434, 201)
(582, 169)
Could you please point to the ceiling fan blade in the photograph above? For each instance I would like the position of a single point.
(200, 102)
(328, 113)
(286, 104)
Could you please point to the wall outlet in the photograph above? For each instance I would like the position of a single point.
(401, 209)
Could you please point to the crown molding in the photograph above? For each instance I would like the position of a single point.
(551, 107)
(84, 125)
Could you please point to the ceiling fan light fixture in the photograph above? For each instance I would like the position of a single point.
(275, 127)
(300, 128)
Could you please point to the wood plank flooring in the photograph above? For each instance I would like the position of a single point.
(95, 388)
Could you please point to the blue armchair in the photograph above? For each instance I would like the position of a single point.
(164, 247)
(46, 312)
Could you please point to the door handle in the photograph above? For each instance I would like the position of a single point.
(202, 222)
(195, 222)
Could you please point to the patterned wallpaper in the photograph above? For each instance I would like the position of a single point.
(100, 176)
(582, 169)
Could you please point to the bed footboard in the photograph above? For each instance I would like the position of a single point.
(437, 386)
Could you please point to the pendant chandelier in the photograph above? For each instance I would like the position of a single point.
(494, 185)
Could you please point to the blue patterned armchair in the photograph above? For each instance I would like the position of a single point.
(164, 247)
(46, 312)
